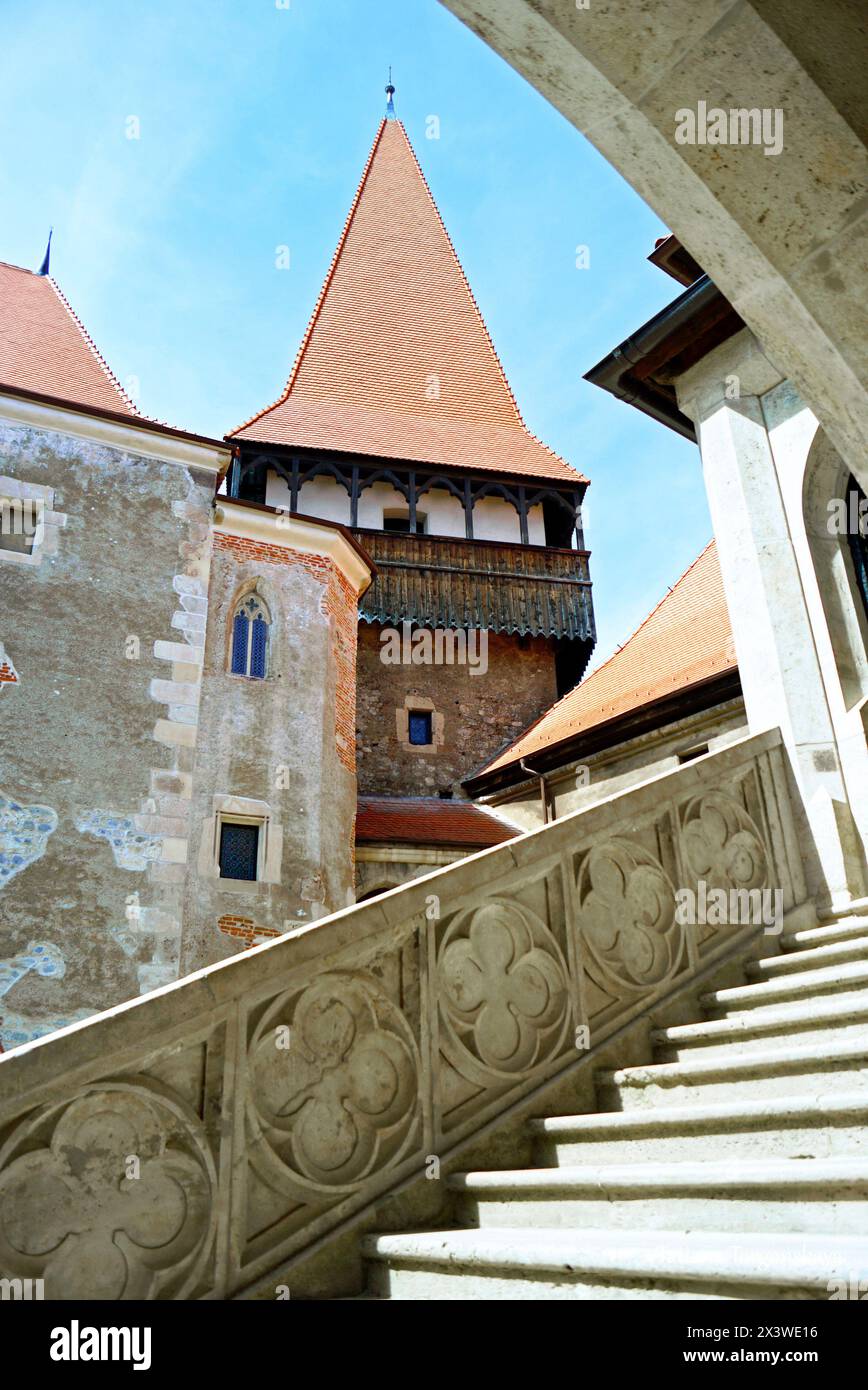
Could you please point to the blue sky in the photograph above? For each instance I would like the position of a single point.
(255, 122)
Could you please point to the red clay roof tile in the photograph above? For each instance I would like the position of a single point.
(424, 820)
(45, 349)
(396, 312)
(686, 639)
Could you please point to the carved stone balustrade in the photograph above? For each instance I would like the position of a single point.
(192, 1142)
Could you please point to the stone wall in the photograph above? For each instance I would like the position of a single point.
(473, 715)
(96, 729)
(277, 750)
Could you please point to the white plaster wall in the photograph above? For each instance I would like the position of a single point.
(323, 497)
(376, 500)
(494, 519)
(536, 531)
(445, 512)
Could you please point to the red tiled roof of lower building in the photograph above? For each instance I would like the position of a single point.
(45, 349)
(396, 361)
(426, 820)
(686, 639)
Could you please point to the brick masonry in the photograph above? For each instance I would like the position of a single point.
(244, 929)
(480, 713)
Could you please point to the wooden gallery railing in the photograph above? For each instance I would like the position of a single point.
(450, 582)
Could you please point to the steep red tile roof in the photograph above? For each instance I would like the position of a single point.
(686, 639)
(426, 820)
(45, 349)
(395, 311)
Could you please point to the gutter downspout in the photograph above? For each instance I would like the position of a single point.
(543, 793)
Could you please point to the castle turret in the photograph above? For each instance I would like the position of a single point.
(398, 421)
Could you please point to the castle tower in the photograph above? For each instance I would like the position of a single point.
(398, 422)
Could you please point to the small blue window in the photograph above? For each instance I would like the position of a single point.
(420, 726)
(240, 639)
(250, 627)
(239, 850)
(258, 640)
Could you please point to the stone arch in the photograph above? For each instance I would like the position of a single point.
(780, 236)
(826, 481)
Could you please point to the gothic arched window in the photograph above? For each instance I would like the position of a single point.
(250, 637)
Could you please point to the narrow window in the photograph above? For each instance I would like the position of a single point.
(400, 522)
(250, 638)
(420, 726)
(689, 754)
(239, 850)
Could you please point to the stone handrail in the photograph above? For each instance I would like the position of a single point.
(186, 1144)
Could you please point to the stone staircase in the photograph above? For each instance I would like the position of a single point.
(734, 1166)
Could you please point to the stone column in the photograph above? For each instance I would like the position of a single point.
(780, 669)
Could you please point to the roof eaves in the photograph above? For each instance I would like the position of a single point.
(614, 372)
(587, 681)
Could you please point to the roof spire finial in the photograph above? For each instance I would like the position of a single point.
(390, 92)
(43, 269)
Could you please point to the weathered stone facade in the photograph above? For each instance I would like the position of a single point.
(93, 820)
(126, 739)
(277, 751)
(473, 715)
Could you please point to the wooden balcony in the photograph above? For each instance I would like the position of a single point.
(444, 581)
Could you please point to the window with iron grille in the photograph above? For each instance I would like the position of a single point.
(419, 722)
(239, 850)
(250, 638)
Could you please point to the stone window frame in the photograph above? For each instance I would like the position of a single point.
(242, 602)
(45, 537)
(402, 724)
(262, 590)
(242, 810)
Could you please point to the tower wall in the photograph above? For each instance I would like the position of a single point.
(472, 715)
(277, 752)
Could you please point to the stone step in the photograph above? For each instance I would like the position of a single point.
(856, 907)
(808, 958)
(839, 930)
(826, 1019)
(824, 1068)
(598, 1264)
(788, 1127)
(810, 1195)
(837, 979)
